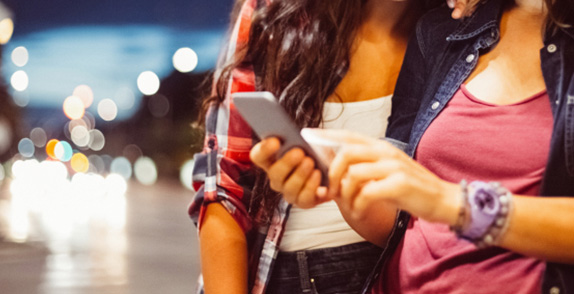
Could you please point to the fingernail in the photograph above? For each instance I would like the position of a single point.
(450, 3)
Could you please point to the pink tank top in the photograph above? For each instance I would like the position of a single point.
(474, 140)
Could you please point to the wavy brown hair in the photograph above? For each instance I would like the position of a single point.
(299, 51)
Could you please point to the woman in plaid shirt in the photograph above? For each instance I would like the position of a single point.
(332, 64)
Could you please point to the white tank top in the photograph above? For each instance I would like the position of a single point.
(323, 226)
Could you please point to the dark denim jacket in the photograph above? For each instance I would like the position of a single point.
(440, 56)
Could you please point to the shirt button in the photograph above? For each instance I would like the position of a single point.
(551, 48)
(435, 105)
(400, 224)
(554, 290)
(470, 58)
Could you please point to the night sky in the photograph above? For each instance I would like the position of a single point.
(31, 15)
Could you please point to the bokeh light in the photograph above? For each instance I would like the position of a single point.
(80, 163)
(80, 136)
(97, 140)
(158, 105)
(145, 170)
(26, 147)
(85, 93)
(185, 174)
(132, 152)
(6, 30)
(90, 120)
(20, 56)
(63, 151)
(185, 60)
(107, 109)
(116, 183)
(50, 148)
(121, 166)
(19, 80)
(125, 98)
(2, 173)
(5, 135)
(21, 99)
(148, 83)
(39, 137)
(74, 107)
(97, 164)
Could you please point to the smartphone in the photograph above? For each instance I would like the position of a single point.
(269, 119)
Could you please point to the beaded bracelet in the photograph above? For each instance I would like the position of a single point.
(484, 215)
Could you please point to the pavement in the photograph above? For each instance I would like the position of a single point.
(141, 242)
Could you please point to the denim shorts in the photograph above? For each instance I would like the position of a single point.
(341, 270)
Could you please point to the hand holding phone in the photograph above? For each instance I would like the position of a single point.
(268, 119)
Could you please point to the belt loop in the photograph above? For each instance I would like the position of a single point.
(303, 272)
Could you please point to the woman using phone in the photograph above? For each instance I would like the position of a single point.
(332, 64)
(487, 207)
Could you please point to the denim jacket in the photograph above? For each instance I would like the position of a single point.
(440, 56)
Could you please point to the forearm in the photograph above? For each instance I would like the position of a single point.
(375, 226)
(223, 253)
(542, 227)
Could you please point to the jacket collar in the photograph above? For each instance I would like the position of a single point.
(485, 17)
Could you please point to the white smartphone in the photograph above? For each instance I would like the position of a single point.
(268, 119)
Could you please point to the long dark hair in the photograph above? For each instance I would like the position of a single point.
(560, 14)
(300, 51)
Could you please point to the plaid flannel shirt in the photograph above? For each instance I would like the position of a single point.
(223, 166)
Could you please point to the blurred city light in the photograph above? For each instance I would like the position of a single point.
(80, 136)
(185, 60)
(145, 170)
(63, 151)
(19, 80)
(20, 56)
(97, 140)
(26, 147)
(185, 174)
(74, 107)
(6, 30)
(80, 163)
(107, 109)
(125, 98)
(158, 105)
(50, 148)
(38, 136)
(85, 93)
(121, 166)
(148, 83)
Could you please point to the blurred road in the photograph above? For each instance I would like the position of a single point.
(142, 243)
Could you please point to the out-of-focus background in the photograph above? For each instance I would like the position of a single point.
(97, 104)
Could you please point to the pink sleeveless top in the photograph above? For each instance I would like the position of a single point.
(474, 140)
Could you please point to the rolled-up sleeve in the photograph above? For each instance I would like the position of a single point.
(223, 172)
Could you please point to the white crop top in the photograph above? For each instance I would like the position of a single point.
(323, 226)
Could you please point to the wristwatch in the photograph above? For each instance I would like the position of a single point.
(488, 205)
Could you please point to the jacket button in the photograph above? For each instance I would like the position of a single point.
(554, 290)
(435, 105)
(551, 48)
(470, 58)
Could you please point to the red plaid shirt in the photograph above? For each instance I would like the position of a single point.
(224, 162)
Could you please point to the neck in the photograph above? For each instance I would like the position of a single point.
(384, 17)
(532, 7)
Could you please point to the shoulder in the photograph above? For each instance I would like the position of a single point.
(433, 28)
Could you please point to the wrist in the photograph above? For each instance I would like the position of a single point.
(484, 214)
(449, 207)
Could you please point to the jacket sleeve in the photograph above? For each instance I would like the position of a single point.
(223, 172)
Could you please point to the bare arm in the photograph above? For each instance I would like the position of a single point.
(376, 172)
(223, 252)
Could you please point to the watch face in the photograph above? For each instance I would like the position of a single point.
(484, 201)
